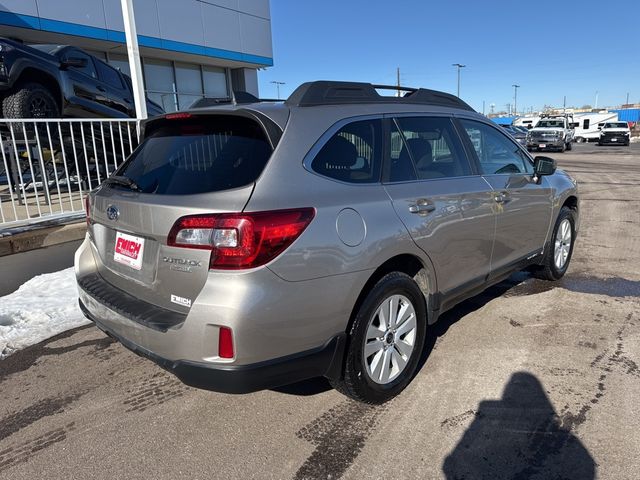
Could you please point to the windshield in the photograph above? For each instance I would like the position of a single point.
(615, 125)
(50, 49)
(199, 155)
(550, 124)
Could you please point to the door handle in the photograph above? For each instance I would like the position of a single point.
(422, 207)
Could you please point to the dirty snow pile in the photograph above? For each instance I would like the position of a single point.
(41, 308)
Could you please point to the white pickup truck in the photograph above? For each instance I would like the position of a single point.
(552, 132)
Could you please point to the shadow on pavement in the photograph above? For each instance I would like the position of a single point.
(518, 437)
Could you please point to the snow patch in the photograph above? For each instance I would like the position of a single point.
(43, 307)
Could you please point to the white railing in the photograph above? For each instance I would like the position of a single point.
(47, 166)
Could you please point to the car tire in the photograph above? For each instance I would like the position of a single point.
(373, 379)
(560, 245)
(579, 139)
(30, 100)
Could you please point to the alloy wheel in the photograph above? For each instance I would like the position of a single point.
(562, 244)
(390, 339)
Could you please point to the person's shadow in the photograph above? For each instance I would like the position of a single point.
(519, 437)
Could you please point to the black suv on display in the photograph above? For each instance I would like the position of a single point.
(53, 81)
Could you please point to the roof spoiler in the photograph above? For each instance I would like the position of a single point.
(238, 97)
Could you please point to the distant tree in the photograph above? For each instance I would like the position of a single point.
(589, 107)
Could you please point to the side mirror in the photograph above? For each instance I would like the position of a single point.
(75, 62)
(543, 166)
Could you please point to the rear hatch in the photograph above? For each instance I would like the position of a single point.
(186, 165)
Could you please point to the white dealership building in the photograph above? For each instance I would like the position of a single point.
(190, 48)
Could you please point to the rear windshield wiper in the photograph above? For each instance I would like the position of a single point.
(123, 181)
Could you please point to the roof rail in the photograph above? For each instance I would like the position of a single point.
(550, 115)
(325, 92)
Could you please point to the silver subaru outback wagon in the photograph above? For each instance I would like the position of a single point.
(254, 244)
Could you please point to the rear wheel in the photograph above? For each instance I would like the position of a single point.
(559, 250)
(385, 341)
(30, 100)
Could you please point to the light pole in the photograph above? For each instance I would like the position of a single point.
(515, 98)
(278, 86)
(135, 66)
(459, 66)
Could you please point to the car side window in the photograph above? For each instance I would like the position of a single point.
(432, 146)
(353, 154)
(497, 153)
(109, 75)
(89, 69)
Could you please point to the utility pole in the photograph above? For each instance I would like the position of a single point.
(564, 105)
(459, 66)
(135, 66)
(515, 98)
(398, 80)
(596, 105)
(483, 107)
(627, 98)
(508, 105)
(277, 86)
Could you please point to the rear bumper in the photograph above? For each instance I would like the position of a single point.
(323, 361)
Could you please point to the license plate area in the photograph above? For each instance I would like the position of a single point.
(128, 250)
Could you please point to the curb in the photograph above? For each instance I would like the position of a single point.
(42, 237)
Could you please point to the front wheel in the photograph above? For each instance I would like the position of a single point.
(559, 250)
(30, 100)
(385, 341)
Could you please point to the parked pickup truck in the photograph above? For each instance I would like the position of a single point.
(615, 133)
(552, 132)
(54, 81)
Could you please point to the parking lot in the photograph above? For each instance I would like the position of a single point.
(527, 380)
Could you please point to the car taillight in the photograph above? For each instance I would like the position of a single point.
(241, 240)
(225, 343)
(87, 206)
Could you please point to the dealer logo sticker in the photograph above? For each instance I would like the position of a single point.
(181, 300)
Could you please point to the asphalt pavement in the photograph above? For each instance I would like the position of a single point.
(528, 380)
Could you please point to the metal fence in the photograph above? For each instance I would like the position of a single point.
(47, 166)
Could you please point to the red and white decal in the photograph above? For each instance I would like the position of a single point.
(129, 250)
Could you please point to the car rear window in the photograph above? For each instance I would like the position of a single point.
(199, 155)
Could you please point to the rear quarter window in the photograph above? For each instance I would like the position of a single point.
(200, 155)
(353, 154)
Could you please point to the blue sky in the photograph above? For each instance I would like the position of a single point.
(550, 48)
